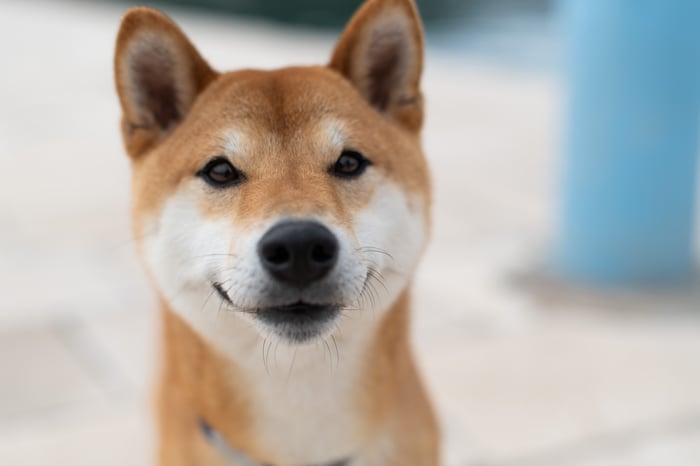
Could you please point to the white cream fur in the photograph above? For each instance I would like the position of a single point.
(289, 383)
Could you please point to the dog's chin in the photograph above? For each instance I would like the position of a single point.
(298, 323)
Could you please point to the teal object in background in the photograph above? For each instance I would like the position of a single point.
(316, 13)
(631, 140)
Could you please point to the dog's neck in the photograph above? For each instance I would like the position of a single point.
(307, 405)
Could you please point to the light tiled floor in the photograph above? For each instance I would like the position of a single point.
(525, 371)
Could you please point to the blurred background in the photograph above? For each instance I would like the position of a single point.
(557, 311)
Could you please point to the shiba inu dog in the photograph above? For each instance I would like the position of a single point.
(281, 215)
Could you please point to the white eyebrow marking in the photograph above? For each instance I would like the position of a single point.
(335, 130)
(232, 143)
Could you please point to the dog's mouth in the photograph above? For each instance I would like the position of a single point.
(299, 322)
(296, 323)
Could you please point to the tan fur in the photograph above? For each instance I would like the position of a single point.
(278, 115)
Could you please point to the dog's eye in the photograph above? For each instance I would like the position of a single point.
(350, 164)
(220, 173)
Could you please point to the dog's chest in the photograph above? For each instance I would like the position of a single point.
(306, 403)
(312, 414)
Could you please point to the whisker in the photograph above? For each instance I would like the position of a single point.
(263, 356)
(363, 297)
(396, 271)
(221, 303)
(207, 299)
(371, 293)
(274, 354)
(373, 249)
(378, 277)
(330, 356)
(269, 349)
(337, 352)
(291, 365)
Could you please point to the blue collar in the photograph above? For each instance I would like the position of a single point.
(237, 457)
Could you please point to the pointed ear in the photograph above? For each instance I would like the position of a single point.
(158, 75)
(381, 53)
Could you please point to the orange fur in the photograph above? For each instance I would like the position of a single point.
(279, 115)
(196, 382)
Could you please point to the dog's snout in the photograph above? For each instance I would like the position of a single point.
(298, 252)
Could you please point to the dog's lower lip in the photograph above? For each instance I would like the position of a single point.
(299, 309)
(299, 322)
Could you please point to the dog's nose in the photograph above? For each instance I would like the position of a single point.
(298, 252)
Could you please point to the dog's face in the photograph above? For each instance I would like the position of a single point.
(287, 197)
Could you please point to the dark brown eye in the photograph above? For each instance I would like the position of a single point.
(220, 173)
(350, 164)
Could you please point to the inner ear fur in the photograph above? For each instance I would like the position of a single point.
(381, 54)
(158, 75)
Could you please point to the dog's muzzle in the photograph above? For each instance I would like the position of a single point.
(296, 256)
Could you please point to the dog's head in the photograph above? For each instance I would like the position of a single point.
(284, 196)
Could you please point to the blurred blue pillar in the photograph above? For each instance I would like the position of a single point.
(631, 140)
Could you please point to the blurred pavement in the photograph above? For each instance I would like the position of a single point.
(525, 371)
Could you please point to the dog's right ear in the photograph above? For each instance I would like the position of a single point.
(381, 54)
(158, 74)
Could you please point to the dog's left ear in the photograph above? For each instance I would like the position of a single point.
(381, 53)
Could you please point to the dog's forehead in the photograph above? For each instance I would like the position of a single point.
(293, 114)
(282, 101)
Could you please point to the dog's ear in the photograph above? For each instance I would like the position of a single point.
(158, 73)
(381, 53)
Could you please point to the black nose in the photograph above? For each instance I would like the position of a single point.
(298, 252)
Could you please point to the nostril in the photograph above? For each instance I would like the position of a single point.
(276, 254)
(323, 253)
